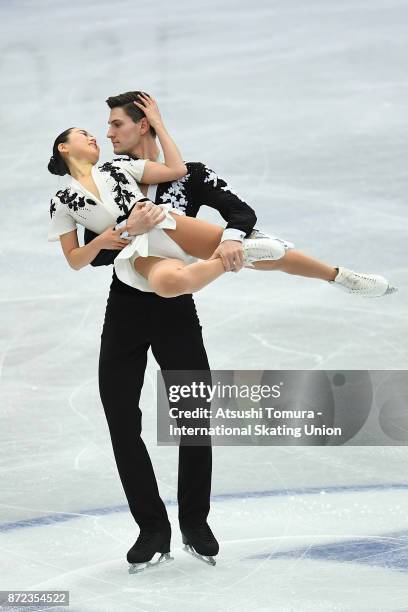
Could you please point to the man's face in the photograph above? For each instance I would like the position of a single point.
(123, 132)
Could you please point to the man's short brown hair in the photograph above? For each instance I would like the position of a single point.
(125, 101)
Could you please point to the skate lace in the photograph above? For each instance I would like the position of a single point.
(357, 278)
(358, 282)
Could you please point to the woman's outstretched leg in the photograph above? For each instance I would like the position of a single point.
(357, 283)
(296, 262)
(200, 239)
(173, 277)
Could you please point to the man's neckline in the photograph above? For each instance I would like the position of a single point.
(159, 158)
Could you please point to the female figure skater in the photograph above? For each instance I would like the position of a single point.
(163, 260)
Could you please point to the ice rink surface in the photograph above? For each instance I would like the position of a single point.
(302, 107)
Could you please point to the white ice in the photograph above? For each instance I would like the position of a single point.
(302, 107)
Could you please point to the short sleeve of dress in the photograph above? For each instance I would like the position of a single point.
(135, 167)
(61, 221)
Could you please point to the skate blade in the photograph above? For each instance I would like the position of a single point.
(137, 568)
(207, 559)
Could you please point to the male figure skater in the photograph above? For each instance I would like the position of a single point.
(171, 328)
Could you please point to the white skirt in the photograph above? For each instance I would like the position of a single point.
(157, 243)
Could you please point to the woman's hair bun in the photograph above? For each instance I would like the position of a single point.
(52, 167)
(56, 167)
(57, 164)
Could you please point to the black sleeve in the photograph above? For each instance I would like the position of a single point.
(211, 190)
(105, 257)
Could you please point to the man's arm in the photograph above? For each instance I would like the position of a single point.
(211, 190)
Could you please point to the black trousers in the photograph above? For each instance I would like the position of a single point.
(134, 322)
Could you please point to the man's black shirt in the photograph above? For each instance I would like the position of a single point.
(200, 186)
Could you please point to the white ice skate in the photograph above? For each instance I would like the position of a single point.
(366, 285)
(261, 247)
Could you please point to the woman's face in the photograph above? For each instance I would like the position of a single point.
(81, 145)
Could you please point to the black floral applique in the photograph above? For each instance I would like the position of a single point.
(52, 207)
(121, 195)
(115, 172)
(73, 200)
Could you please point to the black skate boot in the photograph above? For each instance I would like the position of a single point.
(146, 546)
(200, 542)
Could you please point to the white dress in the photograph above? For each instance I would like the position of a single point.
(118, 189)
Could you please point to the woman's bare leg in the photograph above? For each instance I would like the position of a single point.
(200, 239)
(196, 237)
(173, 277)
(296, 262)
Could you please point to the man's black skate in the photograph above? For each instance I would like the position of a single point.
(200, 542)
(146, 546)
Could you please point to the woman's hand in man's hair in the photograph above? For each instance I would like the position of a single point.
(149, 106)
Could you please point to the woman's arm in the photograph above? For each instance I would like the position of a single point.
(105, 257)
(79, 257)
(173, 167)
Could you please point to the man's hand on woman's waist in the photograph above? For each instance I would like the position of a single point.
(144, 216)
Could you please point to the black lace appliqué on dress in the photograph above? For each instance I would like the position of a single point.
(73, 200)
(121, 195)
(52, 208)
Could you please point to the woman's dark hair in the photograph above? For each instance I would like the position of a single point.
(57, 164)
(125, 101)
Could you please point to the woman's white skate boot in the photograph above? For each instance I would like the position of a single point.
(366, 285)
(261, 247)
